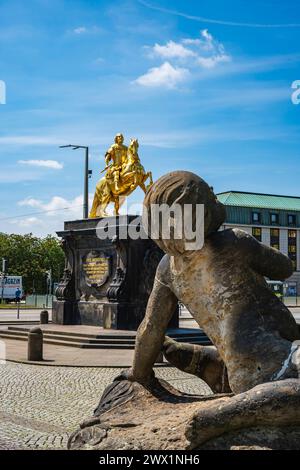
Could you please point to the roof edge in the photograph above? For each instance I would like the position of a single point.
(257, 194)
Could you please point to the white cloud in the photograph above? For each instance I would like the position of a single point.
(87, 30)
(44, 217)
(53, 164)
(56, 203)
(210, 62)
(213, 49)
(209, 42)
(204, 51)
(80, 30)
(191, 42)
(165, 75)
(31, 202)
(171, 50)
(206, 41)
(26, 222)
(48, 217)
(205, 47)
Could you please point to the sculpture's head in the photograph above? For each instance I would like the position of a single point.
(119, 139)
(184, 190)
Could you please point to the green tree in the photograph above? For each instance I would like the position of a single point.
(31, 257)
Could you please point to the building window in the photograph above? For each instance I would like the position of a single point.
(274, 238)
(274, 232)
(256, 233)
(274, 219)
(292, 247)
(256, 217)
(292, 234)
(291, 219)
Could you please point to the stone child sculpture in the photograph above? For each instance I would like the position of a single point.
(224, 288)
(255, 355)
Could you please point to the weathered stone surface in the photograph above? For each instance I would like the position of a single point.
(131, 416)
(202, 361)
(255, 355)
(223, 286)
(258, 438)
(138, 418)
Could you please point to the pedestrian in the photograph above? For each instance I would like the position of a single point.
(18, 295)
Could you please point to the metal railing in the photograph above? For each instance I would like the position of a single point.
(40, 301)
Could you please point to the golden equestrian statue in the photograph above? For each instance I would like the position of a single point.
(124, 173)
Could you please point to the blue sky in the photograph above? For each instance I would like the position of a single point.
(205, 86)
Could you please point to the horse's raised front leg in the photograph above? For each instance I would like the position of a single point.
(143, 187)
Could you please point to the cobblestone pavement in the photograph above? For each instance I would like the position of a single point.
(40, 405)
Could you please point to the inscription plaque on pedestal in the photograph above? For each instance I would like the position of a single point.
(96, 267)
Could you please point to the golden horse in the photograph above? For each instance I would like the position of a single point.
(132, 175)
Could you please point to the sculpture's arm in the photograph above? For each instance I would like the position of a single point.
(108, 156)
(268, 261)
(151, 333)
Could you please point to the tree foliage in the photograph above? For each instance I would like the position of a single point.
(31, 257)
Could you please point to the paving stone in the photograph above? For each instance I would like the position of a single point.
(40, 405)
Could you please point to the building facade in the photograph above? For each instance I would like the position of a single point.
(272, 219)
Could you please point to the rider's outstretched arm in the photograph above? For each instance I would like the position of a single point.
(151, 333)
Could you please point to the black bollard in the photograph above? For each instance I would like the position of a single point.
(35, 345)
(44, 317)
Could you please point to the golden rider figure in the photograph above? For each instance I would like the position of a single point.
(117, 153)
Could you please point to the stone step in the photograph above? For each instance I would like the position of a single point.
(106, 338)
(71, 338)
(79, 344)
(74, 333)
(98, 341)
(72, 344)
(89, 345)
(179, 336)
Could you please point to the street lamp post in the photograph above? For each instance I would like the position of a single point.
(87, 174)
(49, 285)
(4, 269)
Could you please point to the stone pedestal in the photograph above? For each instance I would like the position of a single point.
(107, 280)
